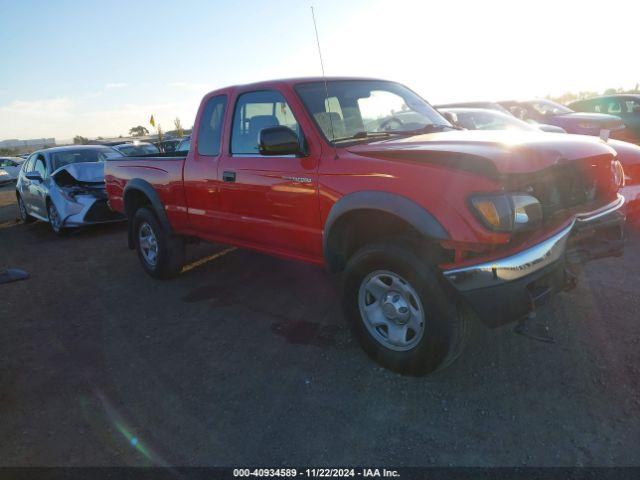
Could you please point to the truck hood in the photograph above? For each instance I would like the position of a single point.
(489, 152)
(85, 172)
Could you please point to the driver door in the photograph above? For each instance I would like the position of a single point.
(268, 201)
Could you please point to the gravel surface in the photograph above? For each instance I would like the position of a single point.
(245, 360)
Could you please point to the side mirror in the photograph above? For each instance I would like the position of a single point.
(279, 141)
(452, 118)
(33, 175)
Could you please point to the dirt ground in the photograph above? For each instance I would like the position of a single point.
(246, 360)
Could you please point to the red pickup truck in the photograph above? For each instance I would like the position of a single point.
(429, 226)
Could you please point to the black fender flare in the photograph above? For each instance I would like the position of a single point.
(140, 185)
(402, 207)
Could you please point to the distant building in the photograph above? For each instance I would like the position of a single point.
(26, 146)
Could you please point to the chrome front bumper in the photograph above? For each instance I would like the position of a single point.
(527, 262)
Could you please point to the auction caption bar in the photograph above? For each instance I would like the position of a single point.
(218, 473)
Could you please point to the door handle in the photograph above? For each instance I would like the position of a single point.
(229, 176)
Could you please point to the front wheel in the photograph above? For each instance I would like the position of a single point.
(55, 220)
(398, 311)
(161, 253)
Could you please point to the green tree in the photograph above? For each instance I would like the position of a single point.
(160, 134)
(179, 129)
(138, 131)
(80, 140)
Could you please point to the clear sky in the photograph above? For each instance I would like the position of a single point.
(99, 67)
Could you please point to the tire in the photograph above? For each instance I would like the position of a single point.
(151, 237)
(55, 222)
(22, 211)
(399, 312)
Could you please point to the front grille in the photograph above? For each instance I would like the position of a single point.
(563, 187)
(100, 212)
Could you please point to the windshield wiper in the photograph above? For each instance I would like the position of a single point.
(429, 129)
(365, 135)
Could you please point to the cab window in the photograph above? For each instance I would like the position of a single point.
(255, 111)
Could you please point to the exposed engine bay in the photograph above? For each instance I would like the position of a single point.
(79, 195)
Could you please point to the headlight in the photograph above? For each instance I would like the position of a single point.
(507, 212)
(618, 173)
(3, 172)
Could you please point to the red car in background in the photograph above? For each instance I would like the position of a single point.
(628, 154)
(548, 112)
(629, 157)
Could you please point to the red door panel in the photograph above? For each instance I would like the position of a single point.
(273, 201)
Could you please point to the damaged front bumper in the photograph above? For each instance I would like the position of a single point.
(81, 209)
(502, 290)
(78, 192)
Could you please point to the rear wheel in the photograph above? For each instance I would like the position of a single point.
(398, 311)
(22, 211)
(161, 253)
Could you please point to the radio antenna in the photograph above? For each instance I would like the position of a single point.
(324, 78)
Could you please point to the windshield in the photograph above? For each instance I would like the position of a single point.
(66, 157)
(355, 109)
(547, 107)
(487, 120)
(131, 149)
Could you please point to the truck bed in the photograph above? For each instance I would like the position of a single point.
(162, 172)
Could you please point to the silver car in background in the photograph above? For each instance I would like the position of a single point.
(64, 186)
(487, 119)
(9, 169)
(137, 149)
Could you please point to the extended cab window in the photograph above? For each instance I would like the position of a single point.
(210, 129)
(255, 111)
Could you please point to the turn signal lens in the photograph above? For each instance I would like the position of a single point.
(488, 210)
(508, 212)
(494, 211)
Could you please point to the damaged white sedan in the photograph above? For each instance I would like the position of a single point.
(64, 186)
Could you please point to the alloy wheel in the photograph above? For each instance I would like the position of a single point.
(54, 218)
(148, 244)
